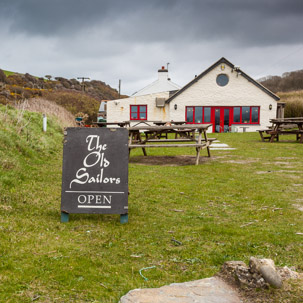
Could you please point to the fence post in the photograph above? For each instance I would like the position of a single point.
(44, 122)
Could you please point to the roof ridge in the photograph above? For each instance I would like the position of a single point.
(220, 61)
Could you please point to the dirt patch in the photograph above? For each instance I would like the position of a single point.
(279, 171)
(298, 207)
(253, 288)
(169, 160)
(286, 158)
(282, 163)
(242, 161)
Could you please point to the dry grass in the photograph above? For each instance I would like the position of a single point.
(291, 96)
(294, 103)
(47, 107)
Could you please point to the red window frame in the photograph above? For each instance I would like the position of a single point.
(138, 112)
(194, 109)
(232, 108)
(194, 114)
(204, 114)
(250, 115)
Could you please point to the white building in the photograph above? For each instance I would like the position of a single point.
(223, 95)
(163, 84)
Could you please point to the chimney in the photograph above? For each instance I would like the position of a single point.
(163, 74)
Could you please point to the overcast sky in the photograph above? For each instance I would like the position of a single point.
(131, 39)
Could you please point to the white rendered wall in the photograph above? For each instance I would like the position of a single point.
(238, 92)
(119, 110)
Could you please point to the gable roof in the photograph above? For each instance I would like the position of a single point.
(221, 61)
(162, 84)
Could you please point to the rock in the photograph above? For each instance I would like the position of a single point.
(254, 265)
(259, 274)
(238, 272)
(210, 290)
(266, 268)
(271, 276)
(286, 273)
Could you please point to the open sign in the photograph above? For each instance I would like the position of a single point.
(95, 171)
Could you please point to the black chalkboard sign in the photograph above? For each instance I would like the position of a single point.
(95, 171)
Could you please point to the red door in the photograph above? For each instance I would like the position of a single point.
(221, 119)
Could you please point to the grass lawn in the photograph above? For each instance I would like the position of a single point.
(238, 204)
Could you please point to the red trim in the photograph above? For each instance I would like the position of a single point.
(137, 111)
(194, 114)
(231, 115)
(250, 115)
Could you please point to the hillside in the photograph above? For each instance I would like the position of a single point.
(75, 96)
(23, 144)
(289, 88)
(290, 81)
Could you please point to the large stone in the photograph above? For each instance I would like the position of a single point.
(286, 273)
(271, 276)
(266, 267)
(238, 272)
(210, 290)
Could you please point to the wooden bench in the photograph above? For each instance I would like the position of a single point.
(179, 140)
(265, 131)
(297, 132)
(166, 145)
(157, 137)
(274, 134)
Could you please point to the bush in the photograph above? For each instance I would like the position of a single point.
(76, 102)
(2, 76)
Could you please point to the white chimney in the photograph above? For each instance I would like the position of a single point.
(163, 74)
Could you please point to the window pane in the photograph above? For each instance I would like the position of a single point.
(198, 114)
(236, 114)
(143, 109)
(143, 116)
(245, 114)
(217, 120)
(207, 114)
(254, 114)
(134, 108)
(189, 114)
(134, 116)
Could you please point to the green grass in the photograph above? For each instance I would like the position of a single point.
(237, 205)
(8, 73)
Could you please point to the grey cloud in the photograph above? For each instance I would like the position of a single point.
(131, 39)
(246, 22)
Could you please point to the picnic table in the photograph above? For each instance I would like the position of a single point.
(105, 124)
(283, 126)
(138, 122)
(156, 136)
(161, 123)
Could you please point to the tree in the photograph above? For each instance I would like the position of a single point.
(48, 77)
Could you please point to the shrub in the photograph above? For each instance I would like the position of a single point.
(2, 76)
(76, 102)
(30, 78)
